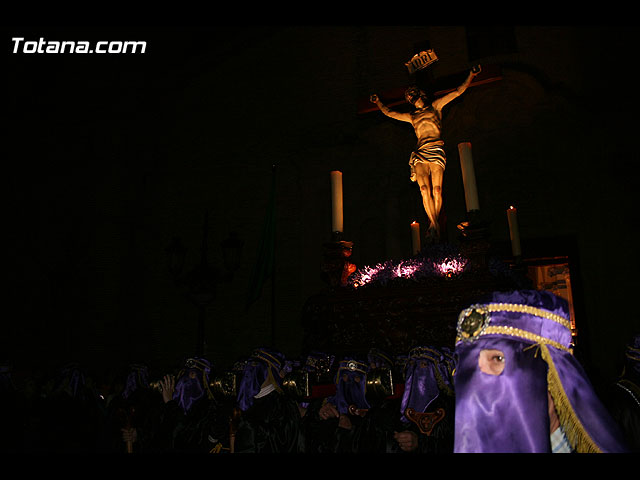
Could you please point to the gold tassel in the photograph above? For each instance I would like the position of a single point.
(573, 428)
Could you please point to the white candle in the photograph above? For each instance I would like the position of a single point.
(514, 234)
(468, 176)
(336, 201)
(415, 238)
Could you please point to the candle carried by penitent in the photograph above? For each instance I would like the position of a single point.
(415, 238)
(514, 233)
(336, 201)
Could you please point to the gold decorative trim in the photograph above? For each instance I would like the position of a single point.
(576, 433)
(517, 332)
(472, 321)
(475, 321)
(272, 362)
(424, 352)
(353, 366)
(425, 421)
(267, 357)
(538, 312)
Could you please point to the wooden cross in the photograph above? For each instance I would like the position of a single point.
(443, 85)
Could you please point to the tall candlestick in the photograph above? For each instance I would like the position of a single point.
(514, 233)
(336, 201)
(468, 176)
(415, 238)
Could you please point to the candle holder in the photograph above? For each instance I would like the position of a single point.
(475, 227)
(474, 239)
(336, 267)
(336, 237)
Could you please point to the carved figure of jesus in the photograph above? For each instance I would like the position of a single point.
(428, 160)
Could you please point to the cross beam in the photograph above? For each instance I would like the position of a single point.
(395, 96)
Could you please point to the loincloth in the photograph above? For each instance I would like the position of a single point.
(430, 152)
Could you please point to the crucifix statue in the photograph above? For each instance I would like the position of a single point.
(428, 159)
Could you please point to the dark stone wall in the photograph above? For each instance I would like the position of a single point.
(107, 159)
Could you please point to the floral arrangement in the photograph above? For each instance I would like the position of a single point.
(442, 261)
(437, 262)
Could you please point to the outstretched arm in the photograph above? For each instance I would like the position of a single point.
(442, 101)
(403, 117)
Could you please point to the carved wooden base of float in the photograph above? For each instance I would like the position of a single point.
(394, 318)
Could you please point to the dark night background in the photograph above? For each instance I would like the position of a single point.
(107, 158)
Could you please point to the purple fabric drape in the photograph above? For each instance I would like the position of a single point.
(138, 377)
(509, 412)
(421, 380)
(264, 363)
(351, 382)
(192, 383)
(501, 414)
